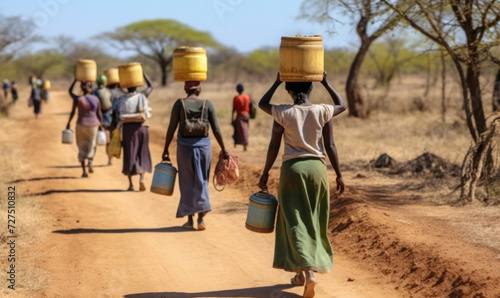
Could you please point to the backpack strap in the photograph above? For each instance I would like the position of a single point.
(184, 107)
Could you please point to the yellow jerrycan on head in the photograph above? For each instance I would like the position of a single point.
(190, 64)
(112, 76)
(86, 70)
(131, 75)
(301, 58)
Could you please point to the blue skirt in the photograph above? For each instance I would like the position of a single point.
(194, 157)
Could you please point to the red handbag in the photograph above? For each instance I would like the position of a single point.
(226, 171)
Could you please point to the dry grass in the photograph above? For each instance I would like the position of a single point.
(395, 126)
(29, 226)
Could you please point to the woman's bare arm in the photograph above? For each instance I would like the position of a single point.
(331, 151)
(272, 153)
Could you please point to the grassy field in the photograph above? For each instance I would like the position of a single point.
(403, 124)
(29, 224)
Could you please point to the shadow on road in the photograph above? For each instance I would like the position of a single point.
(75, 167)
(275, 291)
(54, 191)
(123, 231)
(43, 178)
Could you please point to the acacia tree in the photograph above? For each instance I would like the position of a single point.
(40, 62)
(371, 20)
(467, 32)
(156, 40)
(12, 34)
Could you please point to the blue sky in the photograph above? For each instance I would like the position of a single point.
(242, 24)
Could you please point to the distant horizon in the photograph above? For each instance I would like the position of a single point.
(242, 25)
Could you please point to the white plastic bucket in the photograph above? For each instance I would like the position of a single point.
(67, 136)
(101, 138)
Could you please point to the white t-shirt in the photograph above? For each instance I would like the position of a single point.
(303, 126)
(133, 103)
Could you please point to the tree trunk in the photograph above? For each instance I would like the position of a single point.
(477, 104)
(355, 102)
(443, 88)
(164, 75)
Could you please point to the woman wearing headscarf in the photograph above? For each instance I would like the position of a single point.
(302, 243)
(194, 153)
(87, 124)
(241, 106)
(135, 133)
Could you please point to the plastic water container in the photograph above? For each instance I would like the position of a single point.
(190, 64)
(164, 179)
(101, 138)
(112, 76)
(67, 136)
(46, 85)
(301, 59)
(261, 212)
(86, 70)
(130, 75)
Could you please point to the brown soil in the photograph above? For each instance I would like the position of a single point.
(101, 241)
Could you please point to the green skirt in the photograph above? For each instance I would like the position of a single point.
(301, 227)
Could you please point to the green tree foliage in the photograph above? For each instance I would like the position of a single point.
(156, 40)
(40, 63)
(388, 59)
(261, 62)
(338, 61)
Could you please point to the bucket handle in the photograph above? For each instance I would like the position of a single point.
(264, 191)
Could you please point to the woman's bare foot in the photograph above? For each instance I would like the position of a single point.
(189, 224)
(310, 283)
(201, 223)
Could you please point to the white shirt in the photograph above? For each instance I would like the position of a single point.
(303, 126)
(134, 103)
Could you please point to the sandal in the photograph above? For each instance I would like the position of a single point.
(142, 187)
(298, 279)
(309, 289)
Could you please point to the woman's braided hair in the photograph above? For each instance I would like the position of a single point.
(300, 89)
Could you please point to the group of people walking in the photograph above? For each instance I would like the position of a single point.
(12, 87)
(302, 244)
(107, 108)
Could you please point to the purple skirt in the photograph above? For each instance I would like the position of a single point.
(241, 127)
(136, 155)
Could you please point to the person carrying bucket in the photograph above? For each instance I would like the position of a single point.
(241, 106)
(106, 98)
(87, 124)
(36, 97)
(135, 132)
(194, 152)
(302, 243)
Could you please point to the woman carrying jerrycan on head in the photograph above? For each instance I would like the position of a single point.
(302, 243)
(88, 122)
(194, 152)
(133, 112)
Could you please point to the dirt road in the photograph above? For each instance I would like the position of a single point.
(102, 241)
